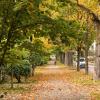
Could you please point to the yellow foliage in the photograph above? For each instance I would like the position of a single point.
(46, 42)
(91, 4)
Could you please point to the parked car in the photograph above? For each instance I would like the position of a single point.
(82, 62)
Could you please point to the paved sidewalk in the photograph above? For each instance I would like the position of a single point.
(55, 88)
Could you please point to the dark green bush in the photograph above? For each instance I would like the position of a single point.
(19, 70)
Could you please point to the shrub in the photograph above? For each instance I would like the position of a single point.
(19, 70)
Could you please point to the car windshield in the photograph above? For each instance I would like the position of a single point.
(81, 60)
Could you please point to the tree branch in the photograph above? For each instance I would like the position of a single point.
(95, 17)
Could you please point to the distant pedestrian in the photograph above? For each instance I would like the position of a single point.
(55, 62)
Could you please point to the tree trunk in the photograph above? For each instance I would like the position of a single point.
(33, 71)
(1, 75)
(86, 60)
(62, 57)
(69, 58)
(86, 47)
(78, 58)
(18, 77)
(66, 62)
(97, 68)
(86, 54)
(11, 77)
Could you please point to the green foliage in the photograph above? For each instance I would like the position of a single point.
(17, 61)
(39, 53)
(17, 56)
(19, 70)
(20, 19)
(35, 59)
(15, 69)
(26, 70)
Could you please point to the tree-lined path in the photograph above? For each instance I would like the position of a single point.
(53, 84)
(57, 87)
(32, 32)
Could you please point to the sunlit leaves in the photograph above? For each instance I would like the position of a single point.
(17, 56)
(20, 4)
